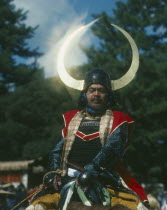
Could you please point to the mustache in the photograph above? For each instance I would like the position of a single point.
(99, 100)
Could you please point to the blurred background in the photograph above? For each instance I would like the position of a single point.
(33, 99)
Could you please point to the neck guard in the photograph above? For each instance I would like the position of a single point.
(94, 112)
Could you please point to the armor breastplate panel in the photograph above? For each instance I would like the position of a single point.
(87, 142)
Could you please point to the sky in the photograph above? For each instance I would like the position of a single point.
(56, 19)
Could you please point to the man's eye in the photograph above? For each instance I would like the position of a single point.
(91, 90)
(102, 91)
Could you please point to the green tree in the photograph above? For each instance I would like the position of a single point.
(145, 98)
(14, 49)
(31, 119)
(30, 114)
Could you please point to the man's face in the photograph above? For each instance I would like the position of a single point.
(96, 96)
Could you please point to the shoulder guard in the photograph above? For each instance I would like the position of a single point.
(119, 119)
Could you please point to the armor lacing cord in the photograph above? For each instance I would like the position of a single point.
(41, 188)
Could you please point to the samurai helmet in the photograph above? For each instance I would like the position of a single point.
(97, 76)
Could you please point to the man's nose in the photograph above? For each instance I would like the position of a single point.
(96, 93)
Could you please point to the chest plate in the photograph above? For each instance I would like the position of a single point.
(87, 142)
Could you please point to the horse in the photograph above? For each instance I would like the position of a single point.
(119, 200)
(85, 193)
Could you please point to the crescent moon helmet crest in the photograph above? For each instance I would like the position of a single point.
(79, 84)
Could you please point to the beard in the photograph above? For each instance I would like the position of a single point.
(97, 103)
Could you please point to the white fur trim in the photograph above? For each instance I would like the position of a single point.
(31, 207)
(39, 207)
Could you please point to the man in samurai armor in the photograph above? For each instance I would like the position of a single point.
(91, 148)
(86, 164)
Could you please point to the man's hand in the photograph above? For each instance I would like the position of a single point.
(48, 179)
(52, 180)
